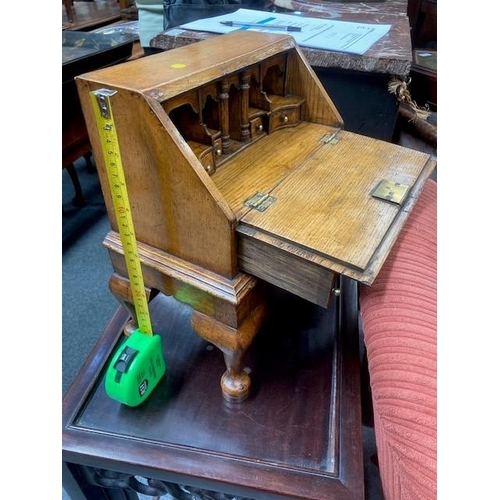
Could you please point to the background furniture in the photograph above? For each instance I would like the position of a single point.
(68, 9)
(81, 52)
(87, 16)
(423, 20)
(399, 321)
(297, 435)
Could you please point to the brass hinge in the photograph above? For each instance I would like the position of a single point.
(260, 201)
(388, 190)
(330, 139)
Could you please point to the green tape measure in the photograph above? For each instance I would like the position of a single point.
(138, 365)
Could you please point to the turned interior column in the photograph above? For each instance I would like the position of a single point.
(245, 90)
(224, 113)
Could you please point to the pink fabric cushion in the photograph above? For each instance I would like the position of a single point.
(399, 320)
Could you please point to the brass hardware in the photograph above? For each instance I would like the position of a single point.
(103, 96)
(260, 201)
(395, 192)
(284, 118)
(330, 139)
(208, 169)
(260, 127)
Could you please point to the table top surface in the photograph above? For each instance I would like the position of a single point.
(392, 54)
(90, 15)
(77, 45)
(336, 9)
(298, 432)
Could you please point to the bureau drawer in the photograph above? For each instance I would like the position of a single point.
(207, 154)
(285, 117)
(217, 148)
(256, 127)
(207, 159)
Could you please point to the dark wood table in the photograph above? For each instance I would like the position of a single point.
(87, 16)
(298, 435)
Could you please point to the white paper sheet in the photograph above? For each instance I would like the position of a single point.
(326, 34)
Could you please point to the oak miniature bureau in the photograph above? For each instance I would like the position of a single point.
(240, 175)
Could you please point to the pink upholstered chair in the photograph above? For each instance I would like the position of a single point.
(399, 322)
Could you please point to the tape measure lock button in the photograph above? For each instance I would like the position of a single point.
(124, 361)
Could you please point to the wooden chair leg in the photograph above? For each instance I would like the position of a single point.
(88, 161)
(78, 200)
(68, 6)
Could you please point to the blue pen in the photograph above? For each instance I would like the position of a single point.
(257, 25)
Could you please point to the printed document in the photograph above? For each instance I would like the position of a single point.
(317, 33)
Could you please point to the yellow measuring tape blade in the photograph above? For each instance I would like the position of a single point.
(116, 177)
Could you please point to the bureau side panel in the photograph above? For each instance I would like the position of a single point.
(172, 208)
(318, 107)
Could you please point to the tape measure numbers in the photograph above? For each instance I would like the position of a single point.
(121, 204)
(138, 364)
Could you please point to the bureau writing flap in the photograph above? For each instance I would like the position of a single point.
(324, 210)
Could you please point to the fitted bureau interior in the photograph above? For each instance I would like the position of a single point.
(220, 118)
